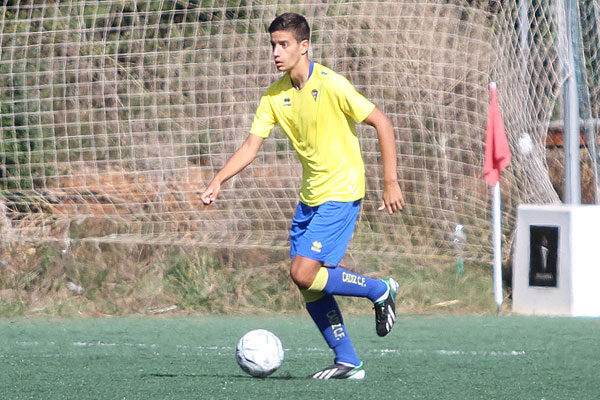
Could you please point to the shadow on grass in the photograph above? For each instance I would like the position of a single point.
(283, 377)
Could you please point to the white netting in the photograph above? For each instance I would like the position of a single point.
(115, 115)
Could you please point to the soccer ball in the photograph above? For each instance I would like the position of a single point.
(259, 353)
(525, 143)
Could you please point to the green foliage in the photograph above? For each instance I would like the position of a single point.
(23, 139)
(59, 50)
(189, 281)
(219, 281)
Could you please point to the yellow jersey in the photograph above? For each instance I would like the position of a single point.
(319, 121)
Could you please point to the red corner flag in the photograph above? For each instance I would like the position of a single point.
(497, 153)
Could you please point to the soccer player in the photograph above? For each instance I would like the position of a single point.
(317, 109)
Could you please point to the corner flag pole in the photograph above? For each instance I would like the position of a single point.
(497, 246)
(497, 157)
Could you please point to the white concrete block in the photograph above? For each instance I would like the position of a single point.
(575, 291)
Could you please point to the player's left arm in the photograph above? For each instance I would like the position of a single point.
(392, 194)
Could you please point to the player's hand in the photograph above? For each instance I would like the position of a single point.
(210, 194)
(392, 198)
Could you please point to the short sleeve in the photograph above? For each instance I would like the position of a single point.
(264, 118)
(351, 102)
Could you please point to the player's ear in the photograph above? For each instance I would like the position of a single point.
(304, 45)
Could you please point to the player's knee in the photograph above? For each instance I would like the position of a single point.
(303, 274)
(300, 278)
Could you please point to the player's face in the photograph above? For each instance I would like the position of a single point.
(287, 51)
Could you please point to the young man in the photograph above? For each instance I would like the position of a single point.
(317, 109)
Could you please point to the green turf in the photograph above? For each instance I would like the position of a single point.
(425, 357)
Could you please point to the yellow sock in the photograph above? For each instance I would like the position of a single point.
(315, 291)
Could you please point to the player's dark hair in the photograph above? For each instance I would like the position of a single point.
(291, 22)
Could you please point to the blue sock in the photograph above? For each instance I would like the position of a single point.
(326, 314)
(345, 283)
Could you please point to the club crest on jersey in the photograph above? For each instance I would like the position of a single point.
(315, 93)
(287, 101)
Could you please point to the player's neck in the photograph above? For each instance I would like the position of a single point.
(300, 73)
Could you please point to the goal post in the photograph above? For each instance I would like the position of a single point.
(115, 115)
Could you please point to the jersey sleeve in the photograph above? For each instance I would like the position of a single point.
(351, 102)
(264, 118)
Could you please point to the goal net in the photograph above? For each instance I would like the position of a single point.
(116, 114)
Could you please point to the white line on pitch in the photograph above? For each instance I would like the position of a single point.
(491, 353)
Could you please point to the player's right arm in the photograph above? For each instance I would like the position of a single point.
(238, 161)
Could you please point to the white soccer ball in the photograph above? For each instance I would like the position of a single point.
(525, 143)
(259, 353)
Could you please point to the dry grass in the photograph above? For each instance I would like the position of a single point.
(105, 280)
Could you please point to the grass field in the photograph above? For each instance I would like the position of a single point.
(425, 357)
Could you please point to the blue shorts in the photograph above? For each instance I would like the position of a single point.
(323, 232)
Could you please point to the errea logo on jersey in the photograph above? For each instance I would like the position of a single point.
(316, 246)
(287, 101)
